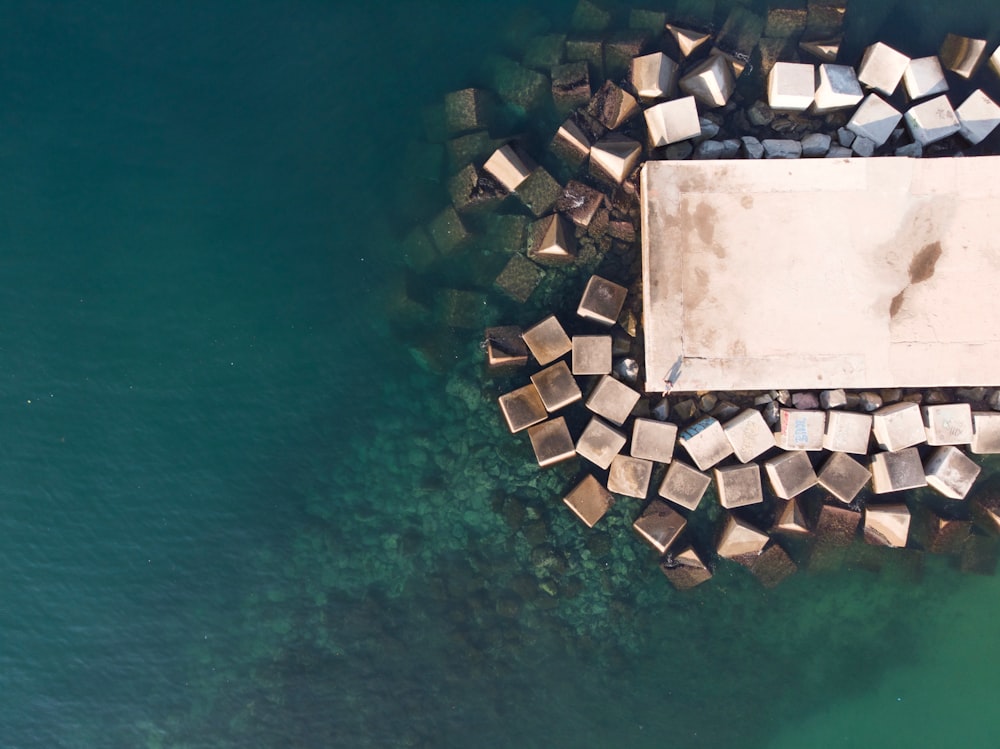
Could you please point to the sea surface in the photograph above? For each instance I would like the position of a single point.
(254, 492)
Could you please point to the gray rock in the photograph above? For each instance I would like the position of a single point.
(771, 412)
(678, 151)
(709, 128)
(869, 401)
(839, 152)
(805, 400)
(627, 370)
(994, 400)
(891, 395)
(752, 148)
(661, 410)
(775, 148)
(760, 114)
(912, 150)
(782, 396)
(863, 146)
(833, 399)
(732, 148)
(815, 144)
(845, 137)
(763, 399)
(709, 149)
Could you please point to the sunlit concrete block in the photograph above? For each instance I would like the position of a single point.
(749, 435)
(687, 40)
(557, 242)
(791, 519)
(672, 121)
(684, 485)
(660, 525)
(653, 440)
(600, 443)
(710, 82)
(685, 570)
(790, 474)
(948, 424)
(950, 472)
(508, 167)
(522, 408)
(985, 433)
(654, 76)
(602, 301)
(897, 426)
(843, 477)
(770, 567)
(589, 500)
(612, 106)
(630, 476)
(739, 486)
(978, 116)
(837, 87)
(800, 429)
(613, 400)
(824, 50)
(995, 61)
(556, 386)
(551, 442)
(875, 119)
(791, 86)
(547, 340)
(614, 157)
(740, 539)
(847, 432)
(887, 525)
(932, 120)
(505, 347)
(591, 354)
(962, 55)
(882, 67)
(897, 471)
(706, 443)
(924, 77)
(571, 144)
(580, 203)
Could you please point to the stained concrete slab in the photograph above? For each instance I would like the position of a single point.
(600, 443)
(589, 500)
(684, 485)
(910, 279)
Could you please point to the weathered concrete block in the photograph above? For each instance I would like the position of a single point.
(783, 22)
(770, 567)
(781, 148)
(791, 87)
(847, 432)
(651, 21)
(800, 430)
(545, 52)
(924, 77)
(600, 443)
(653, 440)
(522, 408)
(654, 76)
(547, 340)
(897, 426)
(940, 535)
(684, 485)
(711, 82)
(474, 189)
(978, 116)
(739, 539)
(825, 18)
(685, 570)
(882, 67)
(591, 354)
(791, 519)
(887, 525)
(505, 348)
(660, 525)
(739, 486)
(875, 119)
(556, 244)
(749, 435)
(519, 278)
(556, 386)
(688, 40)
(962, 55)
(589, 16)
(824, 50)
(589, 49)
(948, 424)
(465, 111)
(580, 203)
(995, 61)
(985, 433)
(950, 472)
(614, 157)
(932, 120)
(790, 474)
(602, 301)
(539, 192)
(672, 121)
(613, 400)
(837, 87)
(843, 477)
(612, 106)
(741, 31)
(571, 144)
(816, 145)
(589, 500)
(551, 442)
(706, 443)
(897, 471)
(630, 476)
(508, 167)
(447, 231)
(836, 526)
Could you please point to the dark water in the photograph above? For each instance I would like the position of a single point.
(238, 511)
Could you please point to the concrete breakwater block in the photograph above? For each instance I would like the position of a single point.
(685, 570)
(800, 429)
(547, 340)
(551, 442)
(824, 50)
(654, 76)
(847, 432)
(591, 354)
(508, 167)
(978, 116)
(932, 120)
(739, 486)
(672, 121)
(602, 301)
(539, 192)
(557, 243)
(630, 476)
(653, 440)
(612, 106)
(749, 435)
(985, 433)
(897, 471)
(711, 82)
(688, 40)
(571, 86)
(898, 425)
(522, 408)
(580, 203)
(614, 157)
(659, 525)
(950, 472)
(684, 485)
(948, 424)
(875, 119)
(837, 87)
(589, 501)
(924, 77)
(556, 386)
(843, 477)
(962, 55)
(465, 111)
(882, 68)
(519, 278)
(887, 525)
(571, 144)
(770, 567)
(791, 519)
(613, 400)
(740, 539)
(791, 87)
(505, 348)
(600, 443)
(706, 443)
(790, 474)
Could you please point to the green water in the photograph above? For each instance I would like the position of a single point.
(237, 511)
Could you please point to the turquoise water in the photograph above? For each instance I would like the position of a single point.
(238, 511)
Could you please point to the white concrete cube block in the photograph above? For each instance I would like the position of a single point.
(897, 471)
(589, 500)
(847, 432)
(630, 476)
(551, 442)
(547, 340)
(843, 477)
(749, 435)
(614, 157)
(739, 538)
(654, 76)
(706, 443)
(660, 525)
(950, 472)
(791, 86)
(897, 426)
(924, 77)
(837, 87)
(653, 440)
(711, 82)
(962, 55)
(800, 429)
(887, 525)
(948, 424)
(591, 354)
(790, 474)
(882, 67)
(602, 301)
(932, 120)
(978, 116)
(986, 433)
(688, 40)
(995, 61)
(613, 400)
(874, 119)
(684, 485)
(556, 386)
(673, 121)
(600, 443)
(507, 166)
(739, 486)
